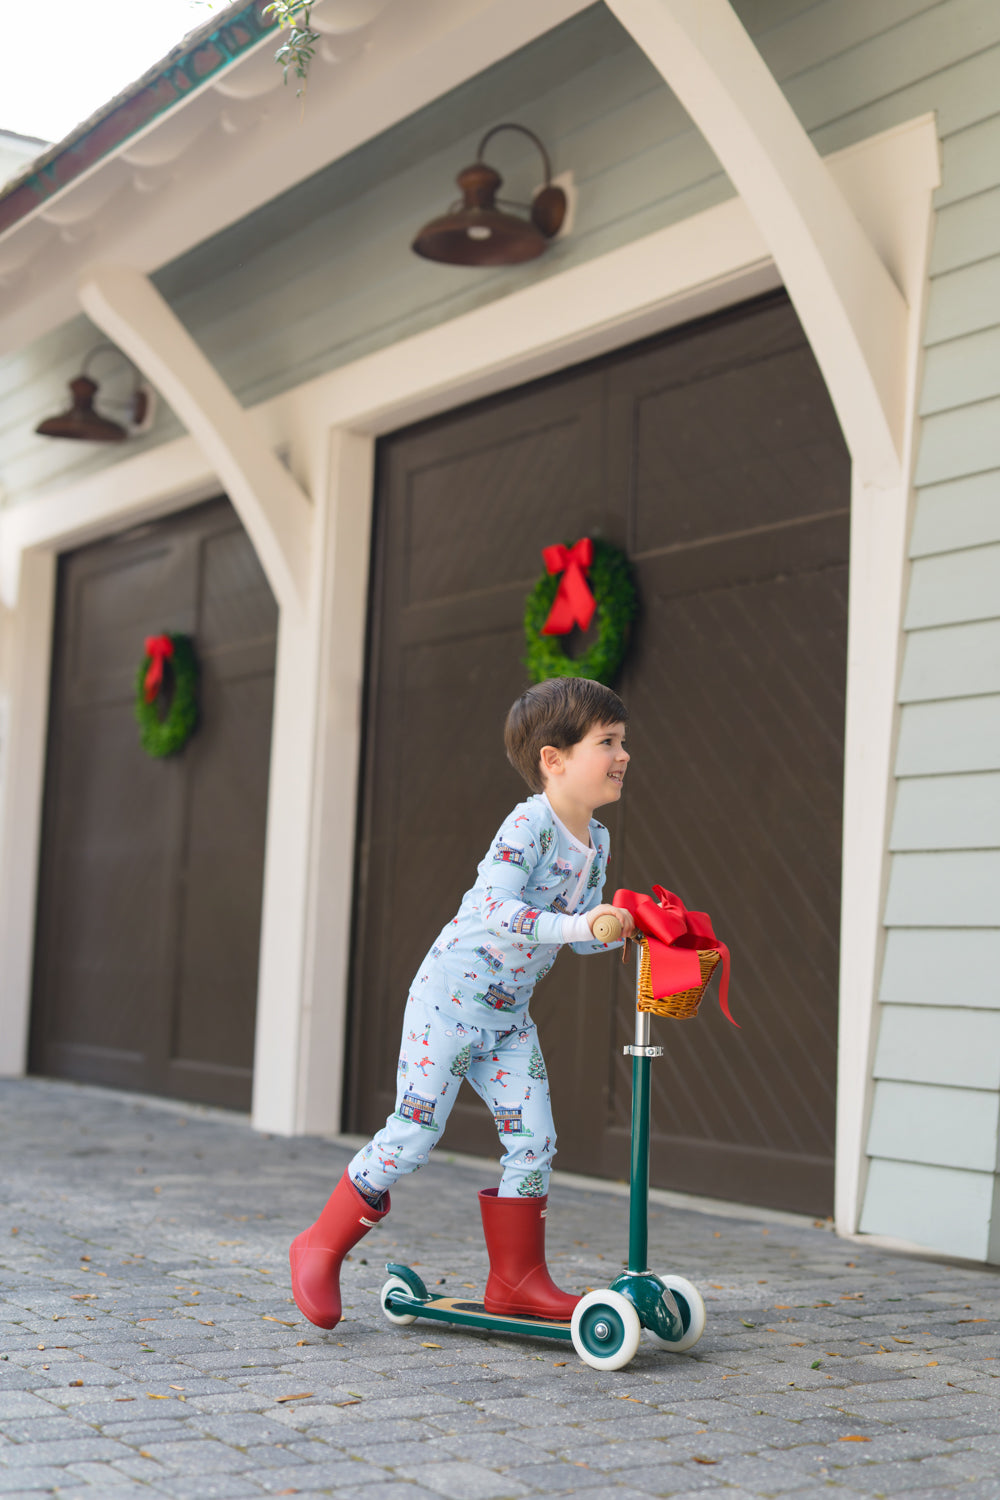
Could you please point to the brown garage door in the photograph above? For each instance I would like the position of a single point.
(151, 870)
(713, 456)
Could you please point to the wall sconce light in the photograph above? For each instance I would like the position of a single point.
(477, 233)
(81, 421)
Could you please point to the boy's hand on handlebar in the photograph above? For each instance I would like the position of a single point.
(623, 917)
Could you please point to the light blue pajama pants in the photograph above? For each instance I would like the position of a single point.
(506, 1070)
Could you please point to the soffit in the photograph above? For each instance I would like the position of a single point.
(238, 139)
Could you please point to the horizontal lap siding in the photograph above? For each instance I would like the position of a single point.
(935, 1125)
(940, 1208)
(931, 965)
(947, 812)
(960, 734)
(936, 1105)
(933, 1137)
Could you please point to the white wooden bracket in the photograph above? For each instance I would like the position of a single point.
(854, 314)
(276, 513)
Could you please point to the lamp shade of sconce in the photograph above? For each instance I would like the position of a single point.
(82, 422)
(476, 232)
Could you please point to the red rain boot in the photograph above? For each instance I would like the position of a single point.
(519, 1281)
(316, 1253)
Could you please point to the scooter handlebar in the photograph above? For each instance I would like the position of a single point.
(607, 928)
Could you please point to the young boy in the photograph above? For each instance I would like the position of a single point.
(538, 887)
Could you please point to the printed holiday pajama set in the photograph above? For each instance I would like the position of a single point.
(467, 1013)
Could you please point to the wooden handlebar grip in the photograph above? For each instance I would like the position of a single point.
(607, 929)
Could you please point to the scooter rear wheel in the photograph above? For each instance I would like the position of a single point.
(692, 1310)
(606, 1330)
(396, 1284)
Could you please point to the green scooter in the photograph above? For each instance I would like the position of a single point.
(606, 1327)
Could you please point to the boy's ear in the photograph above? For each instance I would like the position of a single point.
(550, 761)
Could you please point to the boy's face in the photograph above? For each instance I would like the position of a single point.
(591, 772)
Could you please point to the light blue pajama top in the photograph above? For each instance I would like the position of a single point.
(532, 889)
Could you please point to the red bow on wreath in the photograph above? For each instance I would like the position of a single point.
(159, 648)
(574, 604)
(675, 935)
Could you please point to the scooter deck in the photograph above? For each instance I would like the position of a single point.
(474, 1315)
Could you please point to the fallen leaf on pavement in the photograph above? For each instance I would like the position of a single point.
(853, 1437)
(299, 1396)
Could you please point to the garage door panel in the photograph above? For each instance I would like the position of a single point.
(714, 453)
(729, 444)
(151, 869)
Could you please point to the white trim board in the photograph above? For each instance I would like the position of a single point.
(709, 261)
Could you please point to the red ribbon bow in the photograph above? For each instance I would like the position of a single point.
(159, 648)
(574, 604)
(675, 935)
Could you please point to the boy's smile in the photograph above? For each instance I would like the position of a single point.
(587, 775)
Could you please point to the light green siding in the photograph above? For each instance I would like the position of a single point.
(948, 1044)
(938, 966)
(946, 889)
(947, 812)
(962, 371)
(967, 231)
(954, 588)
(958, 513)
(965, 440)
(941, 1127)
(963, 301)
(956, 661)
(933, 1139)
(937, 1207)
(961, 734)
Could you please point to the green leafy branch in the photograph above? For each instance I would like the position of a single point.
(300, 48)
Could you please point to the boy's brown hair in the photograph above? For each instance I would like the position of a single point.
(557, 712)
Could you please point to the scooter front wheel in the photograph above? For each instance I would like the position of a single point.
(692, 1311)
(396, 1284)
(605, 1330)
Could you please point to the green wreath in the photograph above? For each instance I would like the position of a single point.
(165, 736)
(613, 587)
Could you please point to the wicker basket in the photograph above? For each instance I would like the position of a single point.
(684, 1004)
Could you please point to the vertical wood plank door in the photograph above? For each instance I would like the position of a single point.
(151, 870)
(713, 457)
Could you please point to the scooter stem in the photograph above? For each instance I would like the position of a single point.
(638, 1237)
